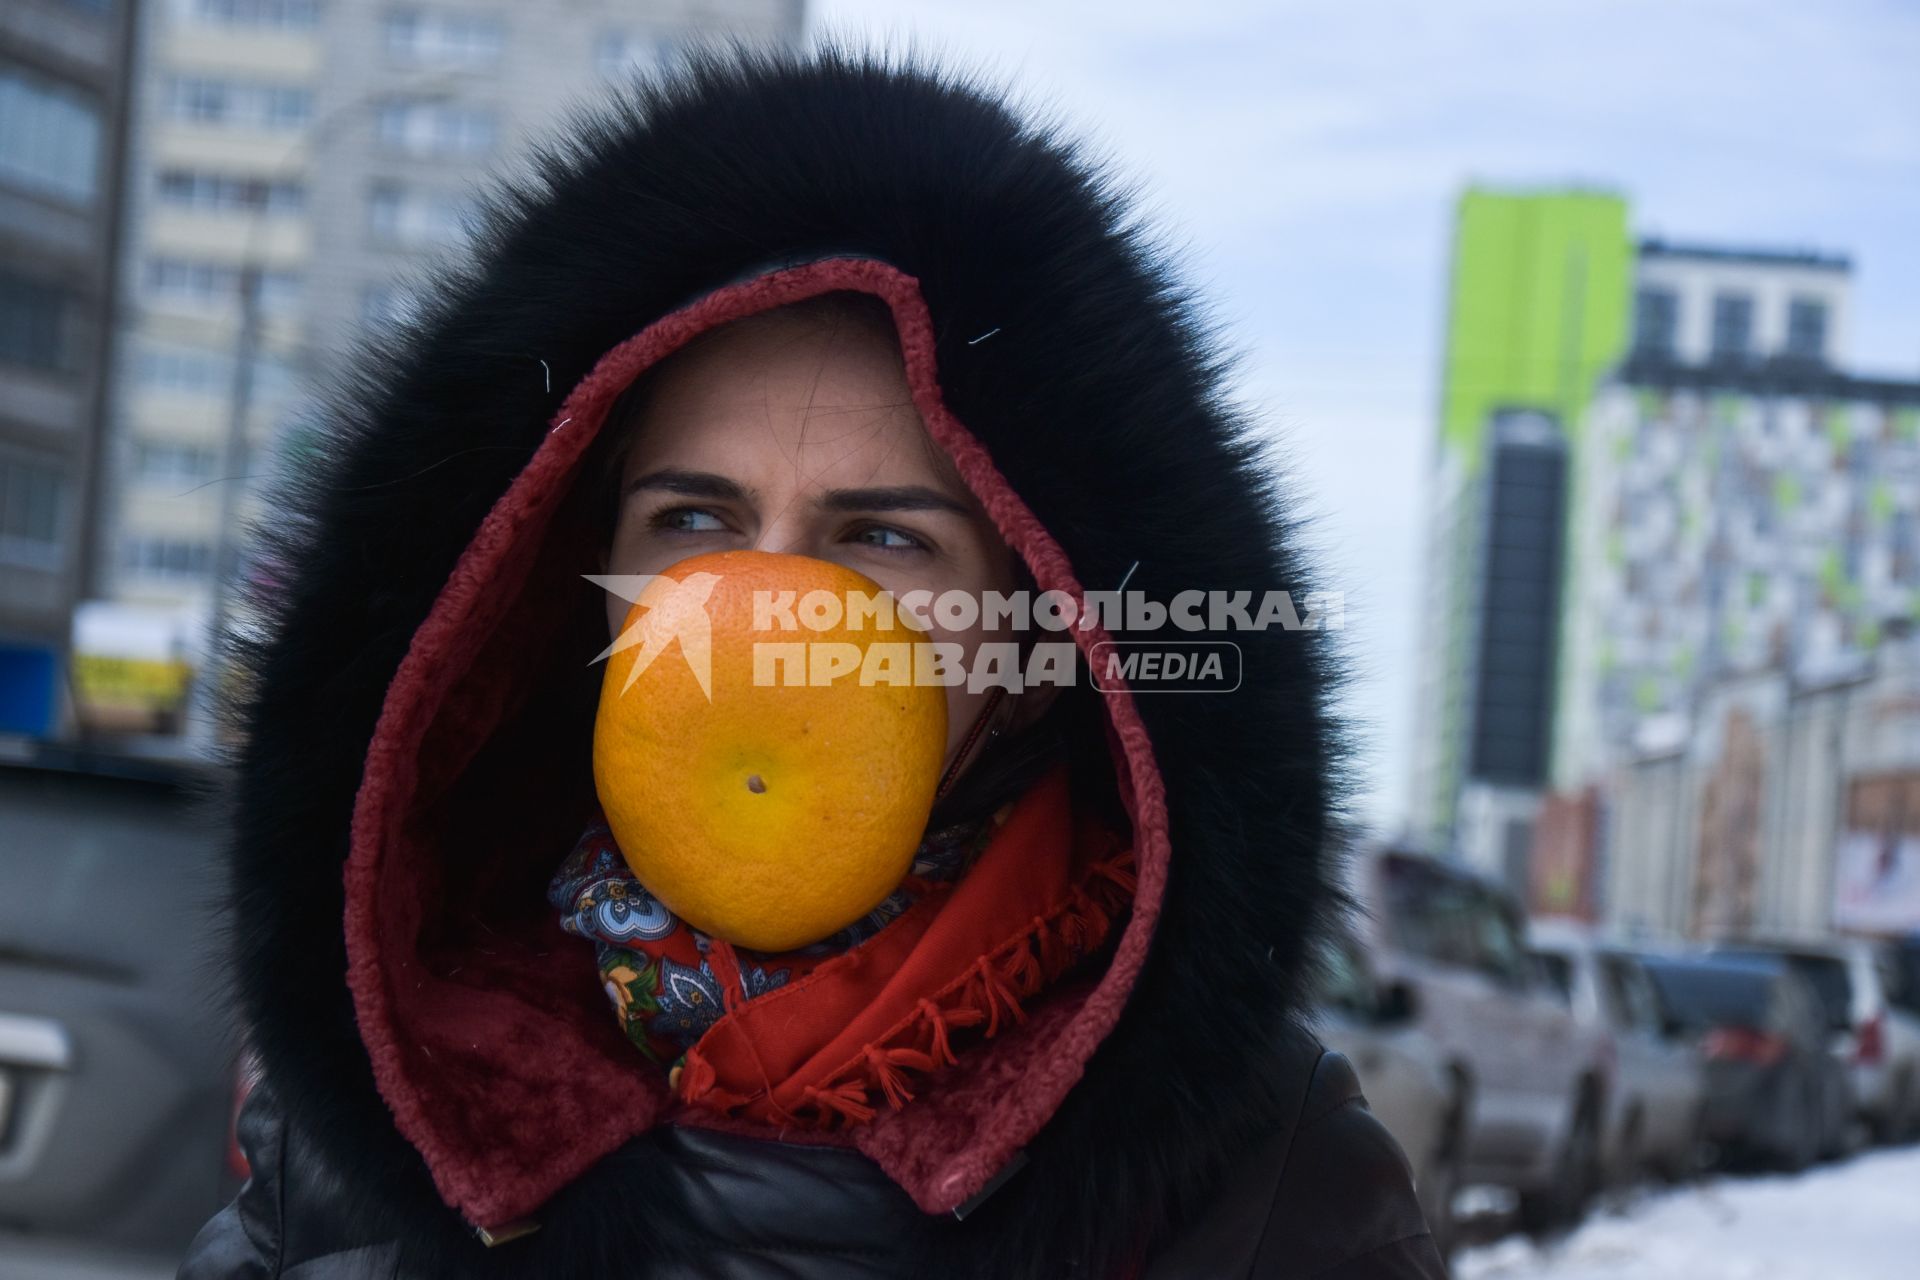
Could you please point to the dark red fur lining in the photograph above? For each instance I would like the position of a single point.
(486, 1035)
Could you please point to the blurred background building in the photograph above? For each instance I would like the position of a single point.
(291, 162)
(1669, 643)
(64, 74)
(1675, 563)
(1655, 473)
(1536, 314)
(203, 205)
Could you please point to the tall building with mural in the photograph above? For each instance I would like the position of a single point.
(1745, 504)
(1741, 678)
(1537, 313)
(1671, 533)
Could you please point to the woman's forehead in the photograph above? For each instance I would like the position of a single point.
(828, 401)
(824, 359)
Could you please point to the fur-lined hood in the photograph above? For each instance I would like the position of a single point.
(417, 723)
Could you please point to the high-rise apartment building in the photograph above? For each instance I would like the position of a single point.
(423, 101)
(1745, 505)
(1674, 585)
(1537, 312)
(1651, 474)
(215, 266)
(63, 76)
(1706, 304)
(295, 160)
(1740, 662)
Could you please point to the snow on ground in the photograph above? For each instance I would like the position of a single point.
(1854, 1221)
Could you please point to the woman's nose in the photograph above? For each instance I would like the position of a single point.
(789, 534)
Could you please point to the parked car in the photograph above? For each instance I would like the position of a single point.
(1773, 1090)
(1402, 1070)
(1904, 954)
(115, 1077)
(1534, 1084)
(1654, 1115)
(1856, 980)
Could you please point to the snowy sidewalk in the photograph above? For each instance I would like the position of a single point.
(1854, 1221)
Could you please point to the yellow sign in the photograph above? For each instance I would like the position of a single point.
(153, 684)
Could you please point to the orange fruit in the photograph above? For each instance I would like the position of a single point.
(764, 812)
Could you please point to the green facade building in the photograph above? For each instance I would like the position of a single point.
(1538, 311)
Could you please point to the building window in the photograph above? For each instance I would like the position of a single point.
(225, 193)
(173, 463)
(1732, 326)
(49, 138)
(436, 128)
(183, 370)
(217, 284)
(238, 104)
(202, 283)
(196, 371)
(1656, 321)
(411, 218)
(290, 15)
(33, 325)
(1807, 329)
(436, 38)
(274, 380)
(30, 500)
(618, 54)
(282, 290)
(176, 558)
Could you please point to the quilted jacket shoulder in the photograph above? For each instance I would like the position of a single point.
(1328, 1196)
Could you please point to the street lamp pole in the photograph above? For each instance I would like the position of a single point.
(202, 706)
(234, 462)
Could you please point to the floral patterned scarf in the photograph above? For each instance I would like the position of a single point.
(988, 914)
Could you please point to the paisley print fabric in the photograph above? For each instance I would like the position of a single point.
(655, 967)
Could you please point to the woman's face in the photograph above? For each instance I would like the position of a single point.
(798, 435)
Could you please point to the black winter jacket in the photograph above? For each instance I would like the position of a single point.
(1324, 1195)
(442, 1091)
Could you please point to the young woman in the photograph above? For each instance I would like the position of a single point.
(827, 308)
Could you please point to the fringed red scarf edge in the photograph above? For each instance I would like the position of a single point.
(990, 996)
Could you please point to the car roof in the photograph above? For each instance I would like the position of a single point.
(1560, 934)
(1825, 948)
(1713, 963)
(1391, 856)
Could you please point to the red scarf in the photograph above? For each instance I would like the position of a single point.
(818, 1038)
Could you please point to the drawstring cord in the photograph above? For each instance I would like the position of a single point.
(967, 744)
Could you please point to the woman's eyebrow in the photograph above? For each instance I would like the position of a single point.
(909, 497)
(690, 484)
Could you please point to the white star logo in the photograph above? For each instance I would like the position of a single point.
(672, 609)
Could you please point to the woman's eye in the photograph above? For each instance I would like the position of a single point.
(888, 539)
(689, 520)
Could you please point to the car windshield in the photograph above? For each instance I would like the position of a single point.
(1827, 975)
(1699, 996)
(1428, 913)
(1906, 963)
(1343, 984)
(1559, 972)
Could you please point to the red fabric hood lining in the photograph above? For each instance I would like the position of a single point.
(487, 1031)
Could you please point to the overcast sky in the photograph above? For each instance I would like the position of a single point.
(1305, 154)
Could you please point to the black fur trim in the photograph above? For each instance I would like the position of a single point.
(1101, 395)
